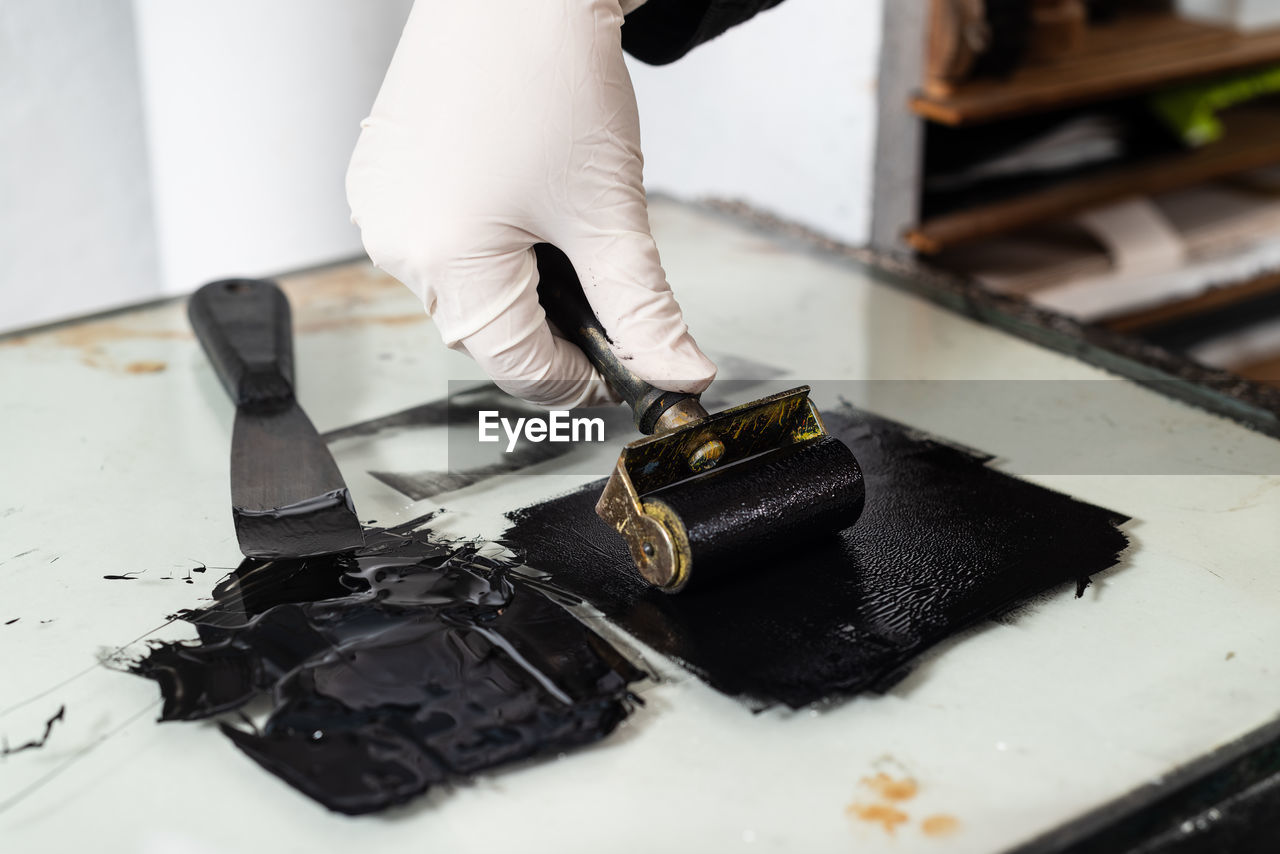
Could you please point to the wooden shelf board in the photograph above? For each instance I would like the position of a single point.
(1266, 371)
(1129, 55)
(1252, 140)
(1154, 318)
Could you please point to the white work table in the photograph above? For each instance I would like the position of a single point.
(114, 437)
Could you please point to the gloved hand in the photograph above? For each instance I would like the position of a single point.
(501, 124)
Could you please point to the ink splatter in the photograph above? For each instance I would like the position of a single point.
(889, 807)
(885, 815)
(397, 667)
(145, 367)
(892, 788)
(940, 825)
(35, 743)
(944, 542)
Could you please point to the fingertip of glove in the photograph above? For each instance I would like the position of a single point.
(683, 368)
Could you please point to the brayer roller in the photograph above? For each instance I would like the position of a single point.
(703, 493)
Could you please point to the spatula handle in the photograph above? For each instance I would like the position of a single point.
(560, 293)
(245, 328)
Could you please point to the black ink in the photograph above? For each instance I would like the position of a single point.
(461, 410)
(314, 525)
(11, 622)
(128, 576)
(738, 378)
(402, 665)
(35, 743)
(421, 485)
(943, 542)
(1083, 583)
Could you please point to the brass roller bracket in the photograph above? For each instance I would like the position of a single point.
(659, 546)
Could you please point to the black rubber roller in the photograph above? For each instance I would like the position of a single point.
(783, 498)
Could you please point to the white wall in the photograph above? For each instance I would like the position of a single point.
(779, 112)
(253, 107)
(75, 208)
(147, 146)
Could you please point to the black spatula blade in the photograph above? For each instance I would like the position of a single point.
(288, 497)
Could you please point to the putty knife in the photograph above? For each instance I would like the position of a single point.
(288, 498)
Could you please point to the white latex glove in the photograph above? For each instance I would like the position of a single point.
(501, 124)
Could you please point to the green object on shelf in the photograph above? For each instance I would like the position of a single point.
(1191, 111)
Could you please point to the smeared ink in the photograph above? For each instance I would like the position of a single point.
(944, 541)
(128, 576)
(187, 578)
(35, 743)
(11, 622)
(421, 485)
(400, 666)
(462, 409)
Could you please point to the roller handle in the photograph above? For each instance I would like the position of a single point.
(566, 306)
(245, 328)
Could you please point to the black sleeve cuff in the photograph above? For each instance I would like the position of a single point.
(662, 31)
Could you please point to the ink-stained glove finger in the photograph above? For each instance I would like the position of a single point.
(627, 288)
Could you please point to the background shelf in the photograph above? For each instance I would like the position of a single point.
(1131, 54)
(1251, 140)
